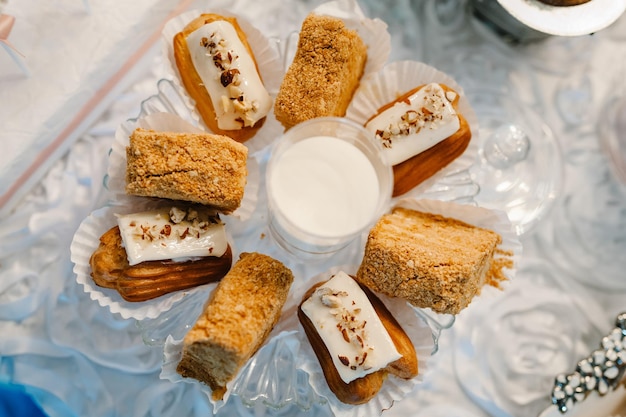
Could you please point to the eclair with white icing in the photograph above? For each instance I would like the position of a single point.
(156, 252)
(421, 132)
(356, 339)
(218, 69)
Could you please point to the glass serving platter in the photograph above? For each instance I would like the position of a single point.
(273, 377)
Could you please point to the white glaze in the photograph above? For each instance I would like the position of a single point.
(342, 296)
(325, 186)
(230, 113)
(159, 235)
(426, 133)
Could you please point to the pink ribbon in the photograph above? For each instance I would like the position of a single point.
(6, 24)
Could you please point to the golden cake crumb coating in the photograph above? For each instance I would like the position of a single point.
(430, 260)
(198, 167)
(237, 319)
(324, 74)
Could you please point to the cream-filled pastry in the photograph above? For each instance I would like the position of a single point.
(218, 69)
(422, 132)
(152, 253)
(350, 328)
(355, 338)
(425, 118)
(239, 97)
(172, 233)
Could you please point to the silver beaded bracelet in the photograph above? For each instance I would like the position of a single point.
(601, 371)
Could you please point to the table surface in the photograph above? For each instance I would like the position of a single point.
(502, 353)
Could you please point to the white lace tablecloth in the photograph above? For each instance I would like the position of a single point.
(58, 126)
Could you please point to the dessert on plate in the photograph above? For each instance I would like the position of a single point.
(325, 71)
(430, 260)
(156, 252)
(421, 132)
(197, 167)
(219, 71)
(236, 321)
(357, 341)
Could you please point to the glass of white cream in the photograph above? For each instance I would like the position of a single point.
(327, 183)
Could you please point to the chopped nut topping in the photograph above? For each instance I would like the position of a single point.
(412, 121)
(228, 76)
(198, 224)
(177, 215)
(225, 59)
(351, 327)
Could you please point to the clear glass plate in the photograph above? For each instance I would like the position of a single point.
(519, 167)
(612, 133)
(272, 378)
(588, 235)
(508, 350)
(263, 382)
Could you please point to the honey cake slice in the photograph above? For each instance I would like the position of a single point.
(325, 72)
(430, 260)
(198, 167)
(237, 319)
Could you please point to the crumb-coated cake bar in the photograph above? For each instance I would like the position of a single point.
(431, 261)
(237, 319)
(198, 167)
(324, 74)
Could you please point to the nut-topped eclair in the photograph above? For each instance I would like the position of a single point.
(218, 69)
(356, 339)
(155, 252)
(421, 132)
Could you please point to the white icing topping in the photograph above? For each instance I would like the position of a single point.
(343, 316)
(172, 233)
(229, 74)
(325, 186)
(407, 129)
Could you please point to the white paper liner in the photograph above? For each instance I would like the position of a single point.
(267, 59)
(373, 32)
(399, 77)
(166, 122)
(87, 239)
(394, 389)
(495, 220)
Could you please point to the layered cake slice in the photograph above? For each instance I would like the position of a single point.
(324, 74)
(236, 321)
(197, 167)
(430, 260)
